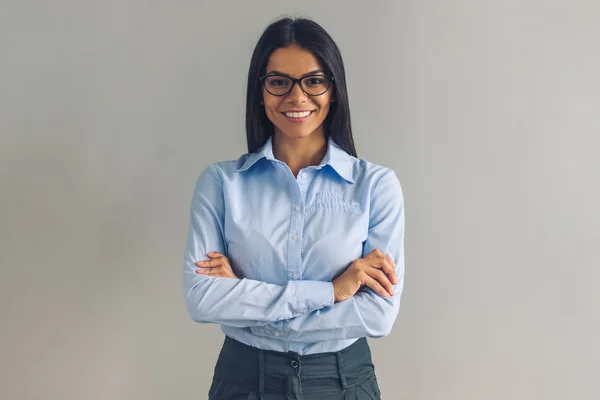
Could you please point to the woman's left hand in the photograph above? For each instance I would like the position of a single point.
(217, 266)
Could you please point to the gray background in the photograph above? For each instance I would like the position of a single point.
(489, 112)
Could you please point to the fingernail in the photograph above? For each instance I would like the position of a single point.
(201, 263)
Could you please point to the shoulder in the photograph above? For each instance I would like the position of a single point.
(224, 168)
(214, 174)
(373, 175)
(385, 193)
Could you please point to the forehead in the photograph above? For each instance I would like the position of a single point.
(293, 60)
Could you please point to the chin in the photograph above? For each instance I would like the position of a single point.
(297, 133)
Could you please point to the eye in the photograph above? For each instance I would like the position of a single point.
(314, 81)
(277, 81)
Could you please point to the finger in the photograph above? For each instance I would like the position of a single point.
(220, 261)
(213, 271)
(219, 258)
(214, 254)
(209, 263)
(373, 284)
(382, 278)
(218, 271)
(374, 253)
(205, 271)
(387, 267)
(392, 273)
(391, 260)
(379, 253)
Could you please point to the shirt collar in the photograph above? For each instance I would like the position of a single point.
(336, 158)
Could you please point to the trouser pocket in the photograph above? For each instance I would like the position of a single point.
(223, 389)
(369, 389)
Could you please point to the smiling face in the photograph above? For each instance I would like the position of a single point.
(296, 62)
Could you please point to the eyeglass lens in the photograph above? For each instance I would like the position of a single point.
(313, 85)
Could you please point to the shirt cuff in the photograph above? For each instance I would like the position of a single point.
(313, 295)
(310, 296)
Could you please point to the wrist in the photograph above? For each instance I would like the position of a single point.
(336, 296)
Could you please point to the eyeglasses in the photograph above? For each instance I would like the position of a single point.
(281, 85)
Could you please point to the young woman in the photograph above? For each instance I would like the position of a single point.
(296, 248)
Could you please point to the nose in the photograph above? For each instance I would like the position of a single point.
(296, 95)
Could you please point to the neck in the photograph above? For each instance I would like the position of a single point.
(299, 153)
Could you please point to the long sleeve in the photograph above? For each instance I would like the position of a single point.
(366, 314)
(237, 303)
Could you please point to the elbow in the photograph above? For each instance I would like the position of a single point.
(196, 312)
(381, 329)
(196, 309)
(382, 323)
(197, 315)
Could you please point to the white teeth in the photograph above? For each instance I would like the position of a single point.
(297, 115)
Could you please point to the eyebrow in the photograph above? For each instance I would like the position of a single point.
(275, 72)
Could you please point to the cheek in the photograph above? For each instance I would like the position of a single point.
(272, 111)
(271, 107)
(323, 109)
(324, 103)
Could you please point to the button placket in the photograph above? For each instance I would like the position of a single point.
(296, 230)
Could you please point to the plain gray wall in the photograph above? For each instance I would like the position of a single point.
(489, 112)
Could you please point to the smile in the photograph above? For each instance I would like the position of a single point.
(298, 116)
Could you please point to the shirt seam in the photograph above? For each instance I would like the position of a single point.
(373, 191)
(224, 209)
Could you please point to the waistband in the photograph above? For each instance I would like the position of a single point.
(266, 370)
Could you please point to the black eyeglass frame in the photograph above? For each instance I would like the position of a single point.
(299, 81)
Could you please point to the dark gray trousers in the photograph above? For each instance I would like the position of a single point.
(245, 372)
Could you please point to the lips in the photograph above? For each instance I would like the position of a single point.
(297, 113)
(298, 116)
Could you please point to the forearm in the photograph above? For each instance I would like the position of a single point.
(247, 303)
(367, 314)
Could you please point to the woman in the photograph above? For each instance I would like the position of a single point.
(296, 248)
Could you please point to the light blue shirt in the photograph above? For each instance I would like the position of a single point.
(288, 238)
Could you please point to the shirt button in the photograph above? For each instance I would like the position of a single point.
(298, 208)
(294, 364)
(304, 174)
(305, 310)
(295, 276)
(294, 237)
(277, 333)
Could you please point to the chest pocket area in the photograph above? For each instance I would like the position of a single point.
(333, 202)
(336, 227)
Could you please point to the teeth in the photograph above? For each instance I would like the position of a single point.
(298, 115)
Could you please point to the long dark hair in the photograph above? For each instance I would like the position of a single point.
(312, 37)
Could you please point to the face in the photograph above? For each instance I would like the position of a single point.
(296, 62)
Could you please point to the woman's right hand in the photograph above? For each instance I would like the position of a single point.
(375, 270)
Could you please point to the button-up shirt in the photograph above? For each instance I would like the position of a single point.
(288, 238)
